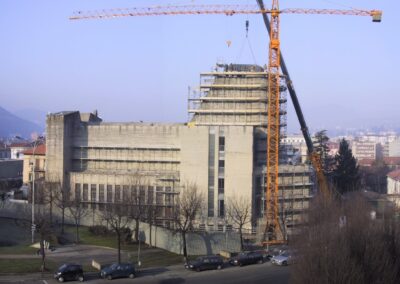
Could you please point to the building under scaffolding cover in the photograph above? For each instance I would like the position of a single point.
(222, 149)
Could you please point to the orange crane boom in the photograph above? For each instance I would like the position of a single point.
(273, 230)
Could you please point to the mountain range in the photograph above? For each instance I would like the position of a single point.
(12, 125)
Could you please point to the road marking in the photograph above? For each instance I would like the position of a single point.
(45, 282)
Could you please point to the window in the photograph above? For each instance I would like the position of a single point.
(221, 143)
(221, 164)
(221, 207)
(109, 193)
(101, 192)
(77, 191)
(221, 185)
(142, 194)
(93, 188)
(150, 195)
(125, 193)
(85, 192)
(118, 193)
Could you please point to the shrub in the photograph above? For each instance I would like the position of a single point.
(99, 230)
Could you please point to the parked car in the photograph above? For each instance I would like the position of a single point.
(247, 257)
(69, 272)
(206, 263)
(118, 270)
(284, 258)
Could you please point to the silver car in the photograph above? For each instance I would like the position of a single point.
(284, 258)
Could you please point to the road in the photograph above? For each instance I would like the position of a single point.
(257, 273)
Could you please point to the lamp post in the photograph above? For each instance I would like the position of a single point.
(35, 144)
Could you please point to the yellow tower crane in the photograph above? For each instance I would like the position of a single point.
(273, 227)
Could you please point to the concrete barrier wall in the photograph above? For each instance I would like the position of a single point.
(198, 243)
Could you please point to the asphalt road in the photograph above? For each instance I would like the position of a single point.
(257, 273)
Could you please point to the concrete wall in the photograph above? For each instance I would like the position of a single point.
(11, 169)
(198, 243)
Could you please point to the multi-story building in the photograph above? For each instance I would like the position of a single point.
(17, 149)
(364, 150)
(34, 163)
(222, 150)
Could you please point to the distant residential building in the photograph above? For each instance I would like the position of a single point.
(393, 182)
(364, 150)
(333, 148)
(392, 162)
(10, 174)
(394, 148)
(5, 152)
(295, 148)
(17, 150)
(34, 161)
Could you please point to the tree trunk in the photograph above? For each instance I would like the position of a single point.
(119, 245)
(184, 245)
(43, 267)
(77, 232)
(241, 238)
(151, 227)
(62, 220)
(137, 229)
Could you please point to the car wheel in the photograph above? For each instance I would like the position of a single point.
(109, 277)
(131, 276)
(198, 269)
(61, 279)
(260, 261)
(284, 263)
(80, 278)
(219, 267)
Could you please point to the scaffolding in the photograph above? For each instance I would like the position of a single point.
(234, 94)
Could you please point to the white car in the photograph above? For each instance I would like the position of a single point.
(284, 258)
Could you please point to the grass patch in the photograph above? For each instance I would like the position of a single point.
(157, 258)
(24, 265)
(87, 238)
(18, 249)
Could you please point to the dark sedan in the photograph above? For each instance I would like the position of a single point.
(247, 257)
(206, 263)
(118, 270)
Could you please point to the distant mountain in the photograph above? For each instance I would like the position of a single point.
(33, 115)
(11, 125)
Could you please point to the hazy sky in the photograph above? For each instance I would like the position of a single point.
(345, 68)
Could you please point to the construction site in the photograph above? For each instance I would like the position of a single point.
(230, 147)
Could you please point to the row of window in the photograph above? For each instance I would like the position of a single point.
(118, 193)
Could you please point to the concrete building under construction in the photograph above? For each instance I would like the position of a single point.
(221, 149)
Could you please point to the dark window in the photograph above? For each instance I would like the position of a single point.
(221, 163)
(117, 193)
(125, 193)
(142, 194)
(150, 195)
(85, 192)
(77, 191)
(109, 193)
(101, 193)
(93, 188)
(221, 142)
(221, 185)
(221, 208)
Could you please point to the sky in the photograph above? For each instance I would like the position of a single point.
(344, 68)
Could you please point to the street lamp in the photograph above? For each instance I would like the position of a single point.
(35, 144)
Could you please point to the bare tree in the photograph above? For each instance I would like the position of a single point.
(151, 218)
(76, 211)
(238, 211)
(62, 199)
(43, 226)
(135, 195)
(188, 204)
(117, 217)
(341, 243)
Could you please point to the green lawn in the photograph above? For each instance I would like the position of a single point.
(24, 265)
(18, 249)
(160, 258)
(87, 238)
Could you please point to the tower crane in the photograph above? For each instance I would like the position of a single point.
(273, 227)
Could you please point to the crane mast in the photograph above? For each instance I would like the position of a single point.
(273, 130)
(273, 230)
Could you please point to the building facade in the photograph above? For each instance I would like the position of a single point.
(222, 150)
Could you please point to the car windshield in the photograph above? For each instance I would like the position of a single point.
(114, 266)
(62, 267)
(284, 254)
